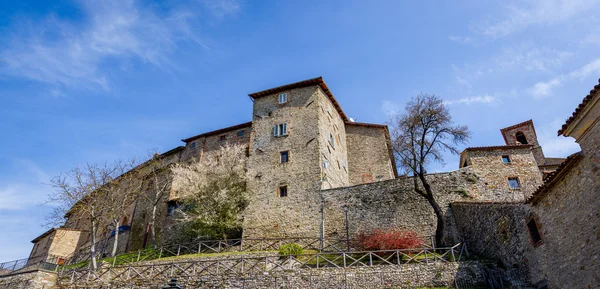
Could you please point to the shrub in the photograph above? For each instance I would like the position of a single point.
(290, 249)
(391, 239)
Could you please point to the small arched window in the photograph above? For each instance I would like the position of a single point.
(521, 138)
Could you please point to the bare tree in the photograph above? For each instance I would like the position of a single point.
(80, 194)
(120, 194)
(157, 187)
(213, 191)
(419, 137)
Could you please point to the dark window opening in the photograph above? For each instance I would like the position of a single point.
(171, 207)
(193, 145)
(283, 191)
(506, 159)
(222, 138)
(536, 237)
(240, 133)
(284, 156)
(513, 183)
(521, 138)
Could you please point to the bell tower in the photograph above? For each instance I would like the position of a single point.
(524, 134)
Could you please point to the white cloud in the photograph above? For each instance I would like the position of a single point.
(535, 12)
(545, 88)
(485, 99)
(61, 53)
(530, 57)
(28, 189)
(390, 108)
(222, 8)
(553, 145)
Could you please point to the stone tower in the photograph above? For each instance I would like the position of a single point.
(524, 134)
(297, 148)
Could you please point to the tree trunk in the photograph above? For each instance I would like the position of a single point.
(116, 241)
(439, 230)
(152, 229)
(93, 247)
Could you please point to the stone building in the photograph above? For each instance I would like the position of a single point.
(308, 165)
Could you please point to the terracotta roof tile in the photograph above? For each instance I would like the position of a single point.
(579, 108)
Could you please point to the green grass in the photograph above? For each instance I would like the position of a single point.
(204, 255)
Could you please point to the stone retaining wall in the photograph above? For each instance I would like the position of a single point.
(34, 279)
(405, 276)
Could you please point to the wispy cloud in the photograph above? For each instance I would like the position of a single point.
(553, 145)
(544, 88)
(536, 12)
(29, 190)
(483, 99)
(530, 57)
(61, 53)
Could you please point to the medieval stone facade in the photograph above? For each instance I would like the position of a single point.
(308, 165)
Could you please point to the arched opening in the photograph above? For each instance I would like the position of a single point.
(521, 138)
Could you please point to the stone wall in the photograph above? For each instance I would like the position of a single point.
(268, 214)
(495, 230)
(198, 147)
(394, 204)
(34, 279)
(332, 151)
(493, 173)
(368, 154)
(569, 222)
(405, 276)
(64, 242)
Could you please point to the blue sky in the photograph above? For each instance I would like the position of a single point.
(93, 81)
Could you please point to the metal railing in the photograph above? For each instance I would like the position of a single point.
(239, 267)
(46, 262)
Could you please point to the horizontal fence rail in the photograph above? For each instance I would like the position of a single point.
(241, 267)
(82, 258)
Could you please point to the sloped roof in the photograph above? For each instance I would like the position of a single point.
(52, 230)
(218, 131)
(491, 148)
(304, 83)
(551, 180)
(553, 161)
(580, 108)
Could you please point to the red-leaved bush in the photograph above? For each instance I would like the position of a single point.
(391, 239)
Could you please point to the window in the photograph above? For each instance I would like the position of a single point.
(222, 138)
(193, 145)
(536, 237)
(284, 156)
(331, 140)
(521, 138)
(513, 183)
(506, 159)
(325, 164)
(171, 207)
(283, 191)
(282, 98)
(280, 129)
(240, 133)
